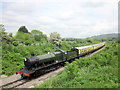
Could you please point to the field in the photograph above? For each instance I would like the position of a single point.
(97, 71)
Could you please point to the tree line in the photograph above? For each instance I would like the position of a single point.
(23, 36)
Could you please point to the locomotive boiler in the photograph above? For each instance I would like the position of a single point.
(41, 60)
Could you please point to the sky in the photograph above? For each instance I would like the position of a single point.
(70, 18)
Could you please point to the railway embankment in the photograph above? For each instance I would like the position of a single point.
(15, 81)
(98, 71)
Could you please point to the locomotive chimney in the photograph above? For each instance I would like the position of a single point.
(32, 54)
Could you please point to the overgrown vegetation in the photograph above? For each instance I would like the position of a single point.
(16, 48)
(98, 71)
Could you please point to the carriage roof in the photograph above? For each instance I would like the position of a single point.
(83, 47)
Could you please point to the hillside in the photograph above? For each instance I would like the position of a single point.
(103, 36)
(98, 71)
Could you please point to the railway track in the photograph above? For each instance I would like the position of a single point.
(21, 83)
(28, 83)
(15, 83)
(40, 79)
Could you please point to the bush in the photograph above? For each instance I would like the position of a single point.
(72, 69)
(15, 43)
(13, 63)
(28, 42)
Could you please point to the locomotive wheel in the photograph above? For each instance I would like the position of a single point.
(35, 74)
(23, 76)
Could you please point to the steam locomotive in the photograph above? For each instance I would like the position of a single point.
(37, 65)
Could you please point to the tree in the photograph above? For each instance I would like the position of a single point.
(28, 42)
(23, 29)
(15, 43)
(36, 32)
(3, 35)
(10, 34)
(23, 36)
(38, 35)
(55, 38)
(89, 39)
(2, 29)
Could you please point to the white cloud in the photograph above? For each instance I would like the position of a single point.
(45, 20)
(65, 14)
(70, 18)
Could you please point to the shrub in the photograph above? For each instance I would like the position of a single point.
(72, 69)
(28, 42)
(15, 43)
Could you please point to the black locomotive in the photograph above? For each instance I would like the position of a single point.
(37, 65)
